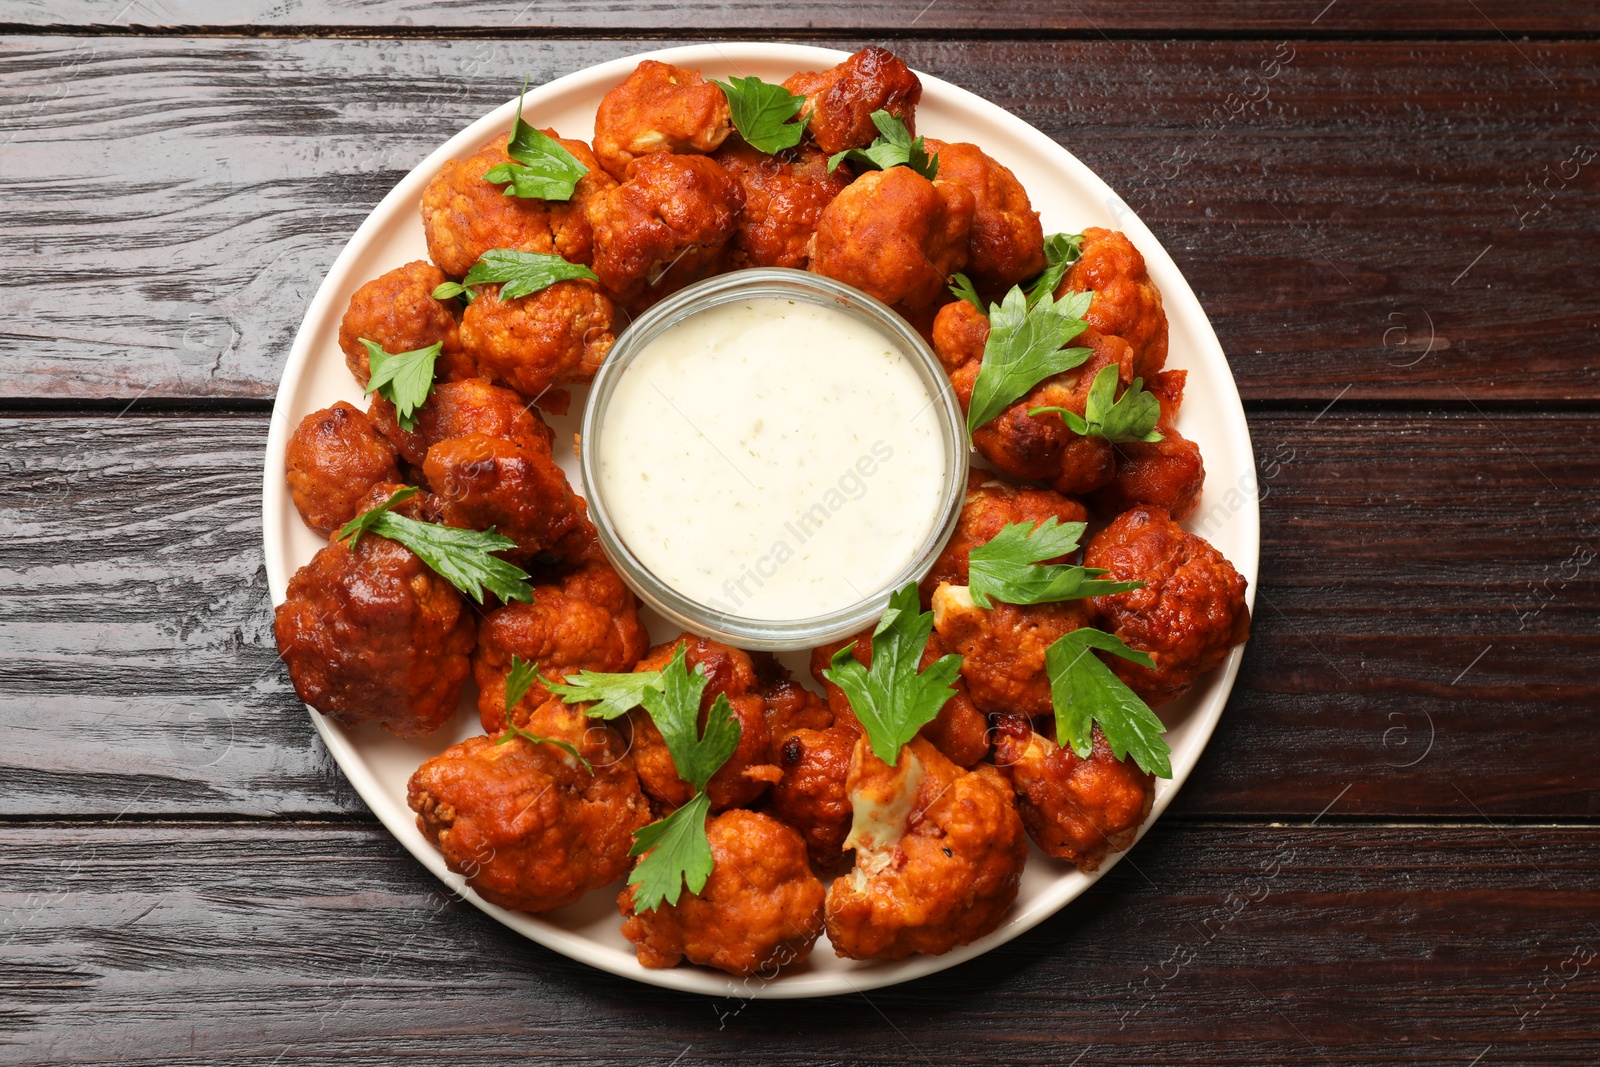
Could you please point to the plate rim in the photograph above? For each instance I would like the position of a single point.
(1071, 883)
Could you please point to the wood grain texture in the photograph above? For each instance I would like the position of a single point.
(1211, 945)
(1408, 219)
(1490, 17)
(1427, 637)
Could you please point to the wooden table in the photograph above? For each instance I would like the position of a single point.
(1390, 852)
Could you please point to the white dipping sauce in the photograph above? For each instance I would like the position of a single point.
(772, 459)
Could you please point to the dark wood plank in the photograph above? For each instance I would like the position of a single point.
(1212, 945)
(1425, 635)
(1356, 220)
(764, 16)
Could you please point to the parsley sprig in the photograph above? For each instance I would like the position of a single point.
(892, 148)
(405, 379)
(1084, 691)
(893, 699)
(1061, 251)
(608, 695)
(543, 170)
(1132, 417)
(1027, 344)
(761, 112)
(519, 273)
(461, 557)
(1008, 567)
(518, 682)
(676, 850)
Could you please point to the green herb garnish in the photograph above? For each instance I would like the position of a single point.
(1008, 567)
(405, 379)
(892, 148)
(1131, 418)
(679, 850)
(519, 273)
(518, 682)
(1085, 691)
(761, 113)
(1061, 251)
(1025, 346)
(962, 287)
(543, 170)
(892, 699)
(608, 695)
(460, 557)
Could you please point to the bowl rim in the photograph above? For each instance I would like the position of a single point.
(716, 291)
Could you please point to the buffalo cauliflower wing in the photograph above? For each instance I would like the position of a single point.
(527, 823)
(896, 235)
(839, 101)
(464, 216)
(397, 312)
(1006, 244)
(760, 910)
(1078, 810)
(371, 634)
(557, 336)
(1126, 302)
(939, 856)
(1190, 612)
(334, 458)
(659, 108)
(668, 224)
(784, 196)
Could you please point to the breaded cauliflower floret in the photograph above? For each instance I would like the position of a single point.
(784, 196)
(759, 911)
(557, 336)
(464, 216)
(1079, 810)
(397, 312)
(371, 634)
(1189, 614)
(459, 409)
(840, 100)
(729, 672)
(1003, 648)
(667, 225)
(1007, 242)
(896, 235)
(659, 108)
(480, 481)
(990, 506)
(1168, 474)
(811, 795)
(334, 458)
(529, 825)
(1126, 302)
(939, 856)
(584, 620)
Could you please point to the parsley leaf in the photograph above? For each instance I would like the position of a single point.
(460, 557)
(1085, 691)
(1061, 251)
(519, 273)
(892, 700)
(674, 706)
(543, 170)
(518, 682)
(679, 855)
(892, 148)
(608, 695)
(1132, 418)
(964, 291)
(1025, 347)
(679, 852)
(1007, 567)
(405, 379)
(761, 113)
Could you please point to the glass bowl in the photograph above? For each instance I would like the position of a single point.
(779, 283)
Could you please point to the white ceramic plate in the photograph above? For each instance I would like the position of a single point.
(1068, 196)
